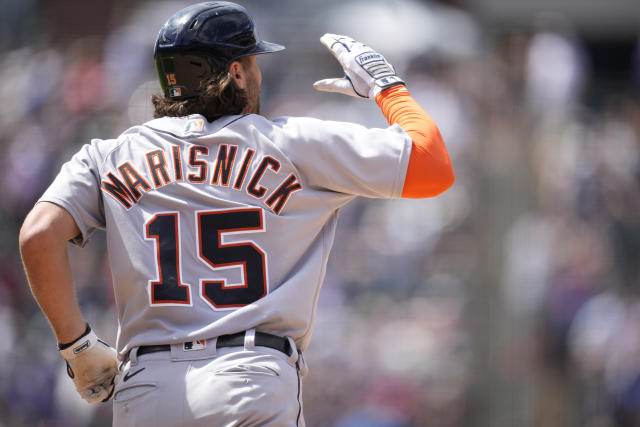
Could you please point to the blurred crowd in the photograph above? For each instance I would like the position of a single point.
(510, 300)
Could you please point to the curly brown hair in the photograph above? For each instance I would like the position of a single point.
(221, 97)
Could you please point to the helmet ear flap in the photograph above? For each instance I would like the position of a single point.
(181, 75)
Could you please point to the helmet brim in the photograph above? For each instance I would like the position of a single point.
(260, 48)
(266, 47)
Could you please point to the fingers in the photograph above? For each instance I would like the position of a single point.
(338, 45)
(346, 50)
(114, 381)
(332, 85)
(342, 85)
(101, 388)
(333, 43)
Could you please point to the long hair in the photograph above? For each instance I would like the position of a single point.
(221, 97)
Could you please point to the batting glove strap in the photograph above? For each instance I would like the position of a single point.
(92, 365)
(367, 72)
(78, 341)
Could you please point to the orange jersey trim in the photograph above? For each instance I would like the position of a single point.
(429, 172)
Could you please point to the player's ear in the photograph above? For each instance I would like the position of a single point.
(238, 74)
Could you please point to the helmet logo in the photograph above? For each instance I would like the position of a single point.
(175, 91)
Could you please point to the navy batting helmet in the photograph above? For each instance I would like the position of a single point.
(202, 40)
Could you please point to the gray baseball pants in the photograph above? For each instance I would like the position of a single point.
(231, 386)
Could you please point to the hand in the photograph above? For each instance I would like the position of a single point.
(93, 366)
(367, 72)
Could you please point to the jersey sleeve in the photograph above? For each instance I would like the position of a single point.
(76, 188)
(346, 157)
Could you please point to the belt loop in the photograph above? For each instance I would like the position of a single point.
(293, 357)
(133, 356)
(303, 368)
(250, 339)
(176, 351)
(212, 346)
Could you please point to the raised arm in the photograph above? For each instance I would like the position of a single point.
(369, 75)
(430, 171)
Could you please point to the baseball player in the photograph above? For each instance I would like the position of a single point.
(219, 223)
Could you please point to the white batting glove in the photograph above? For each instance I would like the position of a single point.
(92, 365)
(367, 72)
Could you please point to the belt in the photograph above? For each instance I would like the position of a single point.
(262, 339)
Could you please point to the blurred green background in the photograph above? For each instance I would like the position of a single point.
(511, 300)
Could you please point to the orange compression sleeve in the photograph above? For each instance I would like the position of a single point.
(429, 172)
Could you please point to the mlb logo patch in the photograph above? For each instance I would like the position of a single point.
(194, 125)
(195, 345)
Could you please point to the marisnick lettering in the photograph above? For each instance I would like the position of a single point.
(227, 166)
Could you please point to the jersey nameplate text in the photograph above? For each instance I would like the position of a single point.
(230, 168)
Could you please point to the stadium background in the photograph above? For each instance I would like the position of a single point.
(511, 300)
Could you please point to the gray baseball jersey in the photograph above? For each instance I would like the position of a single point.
(215, 228)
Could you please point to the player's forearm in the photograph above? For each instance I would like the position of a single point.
(44, 254)
(429, 172)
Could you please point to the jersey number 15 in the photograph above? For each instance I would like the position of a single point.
(211, 227)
